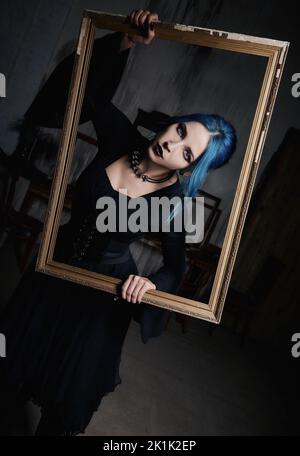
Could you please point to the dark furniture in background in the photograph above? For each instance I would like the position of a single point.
(24, 227)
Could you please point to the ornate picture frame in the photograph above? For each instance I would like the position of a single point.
(275, 53)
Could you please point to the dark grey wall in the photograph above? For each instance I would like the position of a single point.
(35, 34)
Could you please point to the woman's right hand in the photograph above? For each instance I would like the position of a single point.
(144, 21)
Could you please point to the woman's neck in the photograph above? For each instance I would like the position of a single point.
(147, 166)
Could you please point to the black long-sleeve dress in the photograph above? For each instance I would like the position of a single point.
(64, 340)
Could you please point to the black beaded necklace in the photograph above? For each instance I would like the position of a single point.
(135, 159)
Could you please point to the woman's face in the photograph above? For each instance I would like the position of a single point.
(179, 145)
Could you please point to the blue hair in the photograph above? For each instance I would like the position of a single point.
(220, 148)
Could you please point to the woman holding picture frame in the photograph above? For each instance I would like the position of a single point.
(65, 340)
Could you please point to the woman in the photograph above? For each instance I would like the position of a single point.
(64, 340)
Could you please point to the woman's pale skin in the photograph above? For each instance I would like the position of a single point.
(179, 145)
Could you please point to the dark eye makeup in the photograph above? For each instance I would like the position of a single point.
(187, 153)
(181, 129)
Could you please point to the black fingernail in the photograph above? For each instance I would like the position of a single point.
(144, 32)
(151, 26)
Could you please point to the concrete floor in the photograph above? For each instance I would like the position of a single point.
(190, 384)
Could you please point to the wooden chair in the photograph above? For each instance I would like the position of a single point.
(18, 223)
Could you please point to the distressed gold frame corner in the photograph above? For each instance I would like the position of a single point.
(273, 50)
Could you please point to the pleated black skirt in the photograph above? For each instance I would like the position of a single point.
(64, 343)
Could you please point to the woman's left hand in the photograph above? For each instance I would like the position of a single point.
(135, 286)
(144, 20)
